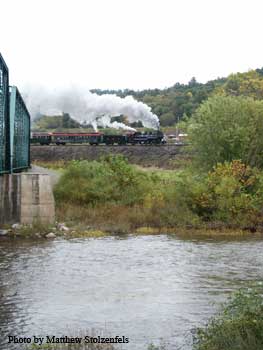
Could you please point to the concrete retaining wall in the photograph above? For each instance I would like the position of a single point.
(9, 199)
(26, 198)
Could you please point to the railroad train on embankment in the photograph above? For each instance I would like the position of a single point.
(96, 138)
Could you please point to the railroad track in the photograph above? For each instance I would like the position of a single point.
(115, 145)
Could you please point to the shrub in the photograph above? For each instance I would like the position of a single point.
(111, 180)
(231, 194)
(238, 326)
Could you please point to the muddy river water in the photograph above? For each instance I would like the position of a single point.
(145, 288)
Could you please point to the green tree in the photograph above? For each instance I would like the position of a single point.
(244, 84)
(63, 121)
(226, 128)
(167, 119)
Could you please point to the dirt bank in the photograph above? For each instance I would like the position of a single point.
(159, 156)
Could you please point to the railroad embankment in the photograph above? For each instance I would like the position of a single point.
(164, 156)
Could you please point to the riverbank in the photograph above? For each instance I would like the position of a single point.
(113, 197)
(69, 231)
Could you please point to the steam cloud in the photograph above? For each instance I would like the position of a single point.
(84, 106)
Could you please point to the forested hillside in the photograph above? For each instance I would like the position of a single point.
(174, 103)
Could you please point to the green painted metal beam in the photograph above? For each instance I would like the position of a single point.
(4, 118)
(12, 123)
(14, 126)
(19, 132)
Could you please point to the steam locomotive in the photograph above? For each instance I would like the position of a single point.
(97, 138)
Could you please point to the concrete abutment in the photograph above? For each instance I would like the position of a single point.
(26, 198)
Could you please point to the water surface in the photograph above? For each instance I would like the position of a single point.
(145, 288)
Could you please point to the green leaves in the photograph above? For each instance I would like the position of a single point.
(231, 194)
(238, 326)
(111, 180)
(227, 128)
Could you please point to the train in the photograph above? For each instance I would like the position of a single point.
(96, 138)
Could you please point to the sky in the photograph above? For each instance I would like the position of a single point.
(136, 44)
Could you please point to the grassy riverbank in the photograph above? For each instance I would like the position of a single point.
(113, 196)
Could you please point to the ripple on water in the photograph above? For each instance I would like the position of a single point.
(146, 287)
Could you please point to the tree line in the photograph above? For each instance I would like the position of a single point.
(178, 102)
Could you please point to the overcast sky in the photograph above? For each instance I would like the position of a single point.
(128, 43)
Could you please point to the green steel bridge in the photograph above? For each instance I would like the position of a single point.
(14, 126)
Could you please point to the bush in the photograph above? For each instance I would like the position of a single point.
(238, 326)
(111, 180)
(231, 194)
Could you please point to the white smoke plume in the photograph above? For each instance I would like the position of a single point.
(84, 106)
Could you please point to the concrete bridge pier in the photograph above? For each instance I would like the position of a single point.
(26, 198)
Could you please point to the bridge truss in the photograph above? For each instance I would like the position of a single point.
(14, 126)
(4, 117)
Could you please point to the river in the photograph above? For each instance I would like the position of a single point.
(146, 288)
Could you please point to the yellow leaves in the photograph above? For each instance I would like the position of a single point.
(154, 199)
(147, 230)
(245, 84)
(244, 174)
(204, 200)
